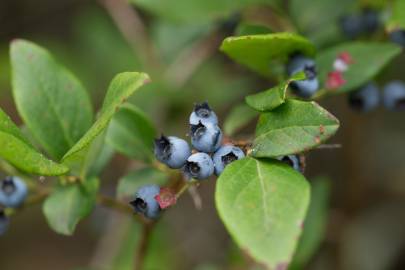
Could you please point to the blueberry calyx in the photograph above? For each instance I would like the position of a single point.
(139, 205)
(163, 147)
(192, 168)
(8, 186)
(287, 160)
(229, 158)
(202, 110)
(310, 72)
(198, 130)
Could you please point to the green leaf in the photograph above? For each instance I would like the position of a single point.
(196, 11)
(122, 86)
(314, 225)
(291, 128)
(263, 205)
(52, 102)
(68, 204)
(245, 29)
(17, 150)
(130, 183)
(258, 51)
(369, 58)
(274, 97)
(240, 116)
(397, 20)
(131, 133)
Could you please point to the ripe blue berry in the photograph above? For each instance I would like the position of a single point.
(4, 222)
(13, 192)
(203, 113)
(304, 88)
(371, 20)
(366, 98)
(145, 202)
(225, 155)
(172, 151)
(352, 25)
(398, 37)
(293, 161)
(199, 166)
(206, 137)
(394, 96)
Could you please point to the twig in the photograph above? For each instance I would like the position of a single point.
(132, 28)
(329, 146)
(195, 195)
(143, 245)
(31, 201)
(191, 58)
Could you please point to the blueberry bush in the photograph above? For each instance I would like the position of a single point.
(301, 53)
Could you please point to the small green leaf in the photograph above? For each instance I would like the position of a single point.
(314, 225)
(17, 150)
(131, 133)
(291, 128)
(122, 86)
(196, 11)
(258, 51)
(274, 97)
(240, 116)
(130, 183)
(67, 205)
(368, 59)
(397, 20)
(245, 29)
(52, 102)
(263, 205)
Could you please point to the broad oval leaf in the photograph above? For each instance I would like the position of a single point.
(130, 183)
(368, 59)
(67, 205)
(196, 11)
(131, 133)
(293, 127)
(263, 205)
(274, 97)
(52, 102)
(258, 51)
(17, 150)
(240, 116)
(122, 86)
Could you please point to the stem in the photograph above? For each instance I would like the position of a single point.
(114, 204)
(143, 245)
(31, 201)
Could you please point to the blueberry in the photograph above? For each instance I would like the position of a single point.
(371, 20)
(199, 166)
(206, 137)
(398, 37)
(366, 98)
(293, 161)
(304, 88)
(394, 96)
(145, 202)
(202, 112)
(172, 151)
(4, 222)
(352, 25)
(225, 155)
(13, 192)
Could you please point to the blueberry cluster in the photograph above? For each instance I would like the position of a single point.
(365, 22)
(368, 97)
(13, 192)
(209, 157)
(308, 87)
